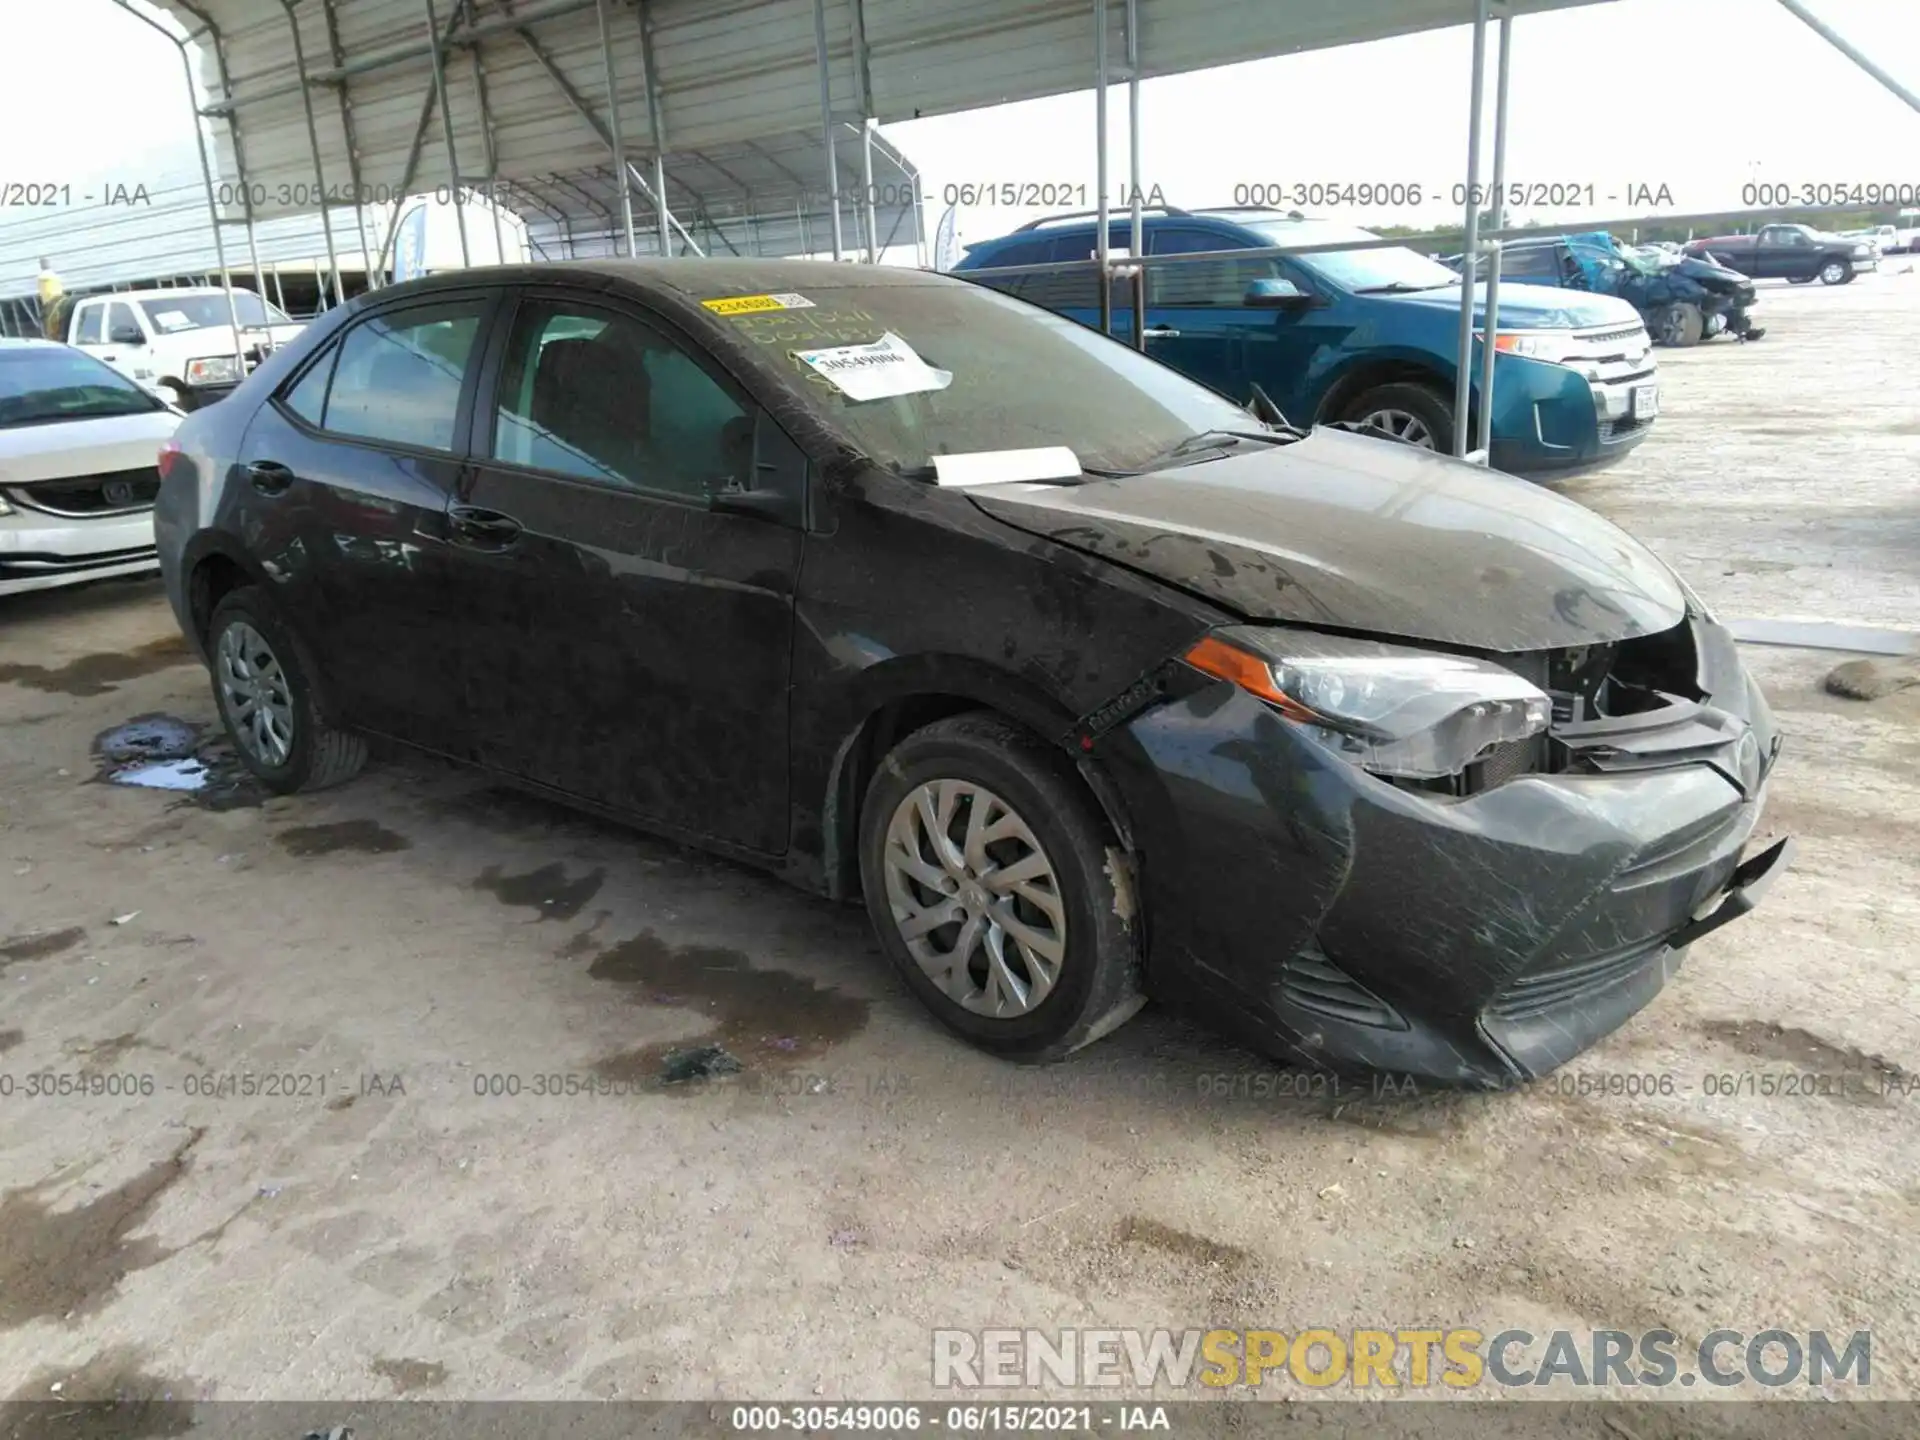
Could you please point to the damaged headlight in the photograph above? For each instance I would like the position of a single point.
(1390, 709)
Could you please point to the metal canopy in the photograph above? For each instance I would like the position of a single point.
(526, 81)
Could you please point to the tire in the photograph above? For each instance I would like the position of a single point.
(1800, 279)
(1835, 272)
(1094, 982)
(1386, 410)
(1681, 324)
(254, 656)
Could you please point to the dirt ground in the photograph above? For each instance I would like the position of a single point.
(311, 1193)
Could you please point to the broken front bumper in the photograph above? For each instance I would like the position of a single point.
(1326, 915)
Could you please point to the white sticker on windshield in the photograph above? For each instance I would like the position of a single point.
(171, 320)
(885, 368)
(1006, 467)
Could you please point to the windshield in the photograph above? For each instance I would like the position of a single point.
(40, 385)
(175, 313)
(1395, 268)
(1020, 377)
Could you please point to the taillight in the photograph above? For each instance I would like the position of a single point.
(169, 453)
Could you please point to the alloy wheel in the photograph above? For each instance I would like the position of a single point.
(1834, 273)
(1400, 425)
(255, 694)
(975, 897)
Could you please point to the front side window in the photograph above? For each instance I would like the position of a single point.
(398, 375)
(122, 325)
(601, 396)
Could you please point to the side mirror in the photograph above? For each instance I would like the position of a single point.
(1276, 294)
(127, 335)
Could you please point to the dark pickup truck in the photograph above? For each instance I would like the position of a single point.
(1789, 252)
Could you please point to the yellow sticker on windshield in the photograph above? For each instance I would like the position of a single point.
(757, 304)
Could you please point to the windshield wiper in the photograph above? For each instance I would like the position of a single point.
(1219, 441)
(1403, 287)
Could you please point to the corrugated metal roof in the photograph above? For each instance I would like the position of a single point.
(725, 71)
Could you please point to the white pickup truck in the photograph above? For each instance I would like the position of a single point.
(180, 344)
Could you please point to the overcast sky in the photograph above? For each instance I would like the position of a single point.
(1696, 96)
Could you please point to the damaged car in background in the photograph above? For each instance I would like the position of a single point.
(1091, 685)
(1684, 299)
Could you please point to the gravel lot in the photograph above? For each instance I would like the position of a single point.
(395, 947)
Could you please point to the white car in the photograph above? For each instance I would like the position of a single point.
(180, 344)
(79, 458)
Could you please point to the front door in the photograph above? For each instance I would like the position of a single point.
(634, 640)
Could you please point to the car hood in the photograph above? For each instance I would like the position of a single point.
(1531, 307)
(1706, 273)
(1352, 533)
(83, 447)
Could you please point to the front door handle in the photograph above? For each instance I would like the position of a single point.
(1159, 332)
(483, 526)
(269, 477)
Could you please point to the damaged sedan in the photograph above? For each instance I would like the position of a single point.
(1092, 686)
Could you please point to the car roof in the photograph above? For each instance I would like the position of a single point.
(30, 342)
(691, 278)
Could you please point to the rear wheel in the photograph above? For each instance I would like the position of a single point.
(1681, 324)
(263, 684)
(1407, 411)
(998, 891)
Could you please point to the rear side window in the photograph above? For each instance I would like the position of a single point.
(1531, 262)
(308, 397)
(397, 377)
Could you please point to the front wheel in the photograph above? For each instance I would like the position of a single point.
(1412, 413)
(1799, 279)
(263, 684)
(1835, 272)
(998, 891)
(1681, 324)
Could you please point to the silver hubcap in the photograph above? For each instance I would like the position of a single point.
(1399, 425)
(1833, 273)
(253, 692)
(975, 898)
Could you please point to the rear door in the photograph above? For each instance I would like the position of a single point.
(349, 469)
(633, 639)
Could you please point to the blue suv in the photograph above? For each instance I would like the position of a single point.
(1363, 336)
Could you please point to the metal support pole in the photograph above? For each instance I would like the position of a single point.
(481, 93)
(1490, 325)
(1463, 379)
(614, 131)
(206, 180)
(826, 123)
(1835, 39)
(1136, 241)
(660, 204)
(352, 141)
(313, 143)
(1100, 161)
(919, 226)
(866, 192)
(446, 129)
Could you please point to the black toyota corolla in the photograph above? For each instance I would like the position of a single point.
(1093, 685)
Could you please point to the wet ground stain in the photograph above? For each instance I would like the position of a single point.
(341, 1102)
(1181, 1244)
(178, 757)
(359, 837)
(768, 1018)
(1824, 1070)
(59, 1263)
(546, 890)
(112, 1396)
(37, 946)
(98, 674)
(503, 810)
(9, 1039)
(407, 1375)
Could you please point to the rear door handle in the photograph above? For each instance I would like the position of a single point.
(269, 477)
(486, 527)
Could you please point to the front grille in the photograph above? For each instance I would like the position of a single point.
(1611, 337)
(1530, 994)
(118, 492)
(1315, 983)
